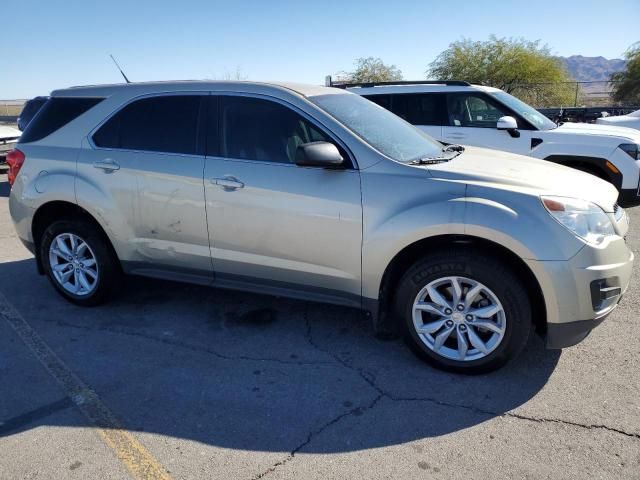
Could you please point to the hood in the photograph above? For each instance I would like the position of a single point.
(598, 130)
(8, 132)
(621, 121)
(493, 168)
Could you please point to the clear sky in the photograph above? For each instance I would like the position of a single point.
(54, 44)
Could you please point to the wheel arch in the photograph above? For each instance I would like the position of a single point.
(61, 210)
(413, 252)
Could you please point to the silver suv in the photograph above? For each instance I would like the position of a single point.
(317, 193)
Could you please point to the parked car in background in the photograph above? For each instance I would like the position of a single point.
(632, 120)
(458, 112)
(31, 107)
(317, 193)
(8, 138)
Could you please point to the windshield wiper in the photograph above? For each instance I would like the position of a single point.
(428, 160)
(453, 148)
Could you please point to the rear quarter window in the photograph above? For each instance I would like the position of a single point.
(55, 114)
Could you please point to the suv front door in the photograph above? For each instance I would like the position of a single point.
(275, 226)
(472, 119)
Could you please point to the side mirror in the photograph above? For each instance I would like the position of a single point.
(318, 154)
(510, 125)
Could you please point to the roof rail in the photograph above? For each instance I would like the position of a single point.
(454, 83)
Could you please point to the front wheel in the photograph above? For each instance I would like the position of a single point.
(79, 262)
(463, 312)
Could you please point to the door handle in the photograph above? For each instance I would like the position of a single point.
(456, 135)
(228, 182)
(106, 165)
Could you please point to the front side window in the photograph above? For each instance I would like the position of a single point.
(258, 129)
(528, 112)
(166, 124)
(470, 110)
(384, 131)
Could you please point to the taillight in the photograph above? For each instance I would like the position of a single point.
(15, 160)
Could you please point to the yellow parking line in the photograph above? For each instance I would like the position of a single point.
(140, 463)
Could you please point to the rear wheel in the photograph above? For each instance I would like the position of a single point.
(463, 312)
(79, 261)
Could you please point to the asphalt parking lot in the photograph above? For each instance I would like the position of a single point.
(178, 381)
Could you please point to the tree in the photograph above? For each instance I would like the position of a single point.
(626, 84)
(520, 67)
(371, 69)
(237, 75)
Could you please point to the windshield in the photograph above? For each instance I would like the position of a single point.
(530, 114)
(380, 128)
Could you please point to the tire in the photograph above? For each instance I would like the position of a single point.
(96, 259)
(497, 289)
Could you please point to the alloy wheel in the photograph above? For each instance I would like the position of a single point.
(73, 264)
(459, 318)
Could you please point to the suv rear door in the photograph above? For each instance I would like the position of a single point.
(472, 118)
(147, 162)
(273, 225)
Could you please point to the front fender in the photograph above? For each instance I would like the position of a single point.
(516, 221)
(519, 222)
(399, 210)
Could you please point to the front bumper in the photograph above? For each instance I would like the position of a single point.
(562, 335)
(581, 292)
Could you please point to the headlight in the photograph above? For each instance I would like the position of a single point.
(631, 149)
(585, 219)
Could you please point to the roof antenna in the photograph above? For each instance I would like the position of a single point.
(114, 61)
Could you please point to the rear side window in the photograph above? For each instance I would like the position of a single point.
(383, 100)
(415, 108)
(55, 114)
(167, 124)
(425, 109)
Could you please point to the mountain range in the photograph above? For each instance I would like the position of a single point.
(587, 69)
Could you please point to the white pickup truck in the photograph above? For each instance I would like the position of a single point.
(457, 112)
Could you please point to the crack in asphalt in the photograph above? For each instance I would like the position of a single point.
(574, 424)
(367, 377)
(356, 410)
(189, 346)
(517, 416)
(370, 380)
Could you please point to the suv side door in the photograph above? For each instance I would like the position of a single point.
(472, 118)
(147, 162)
(275, 226)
